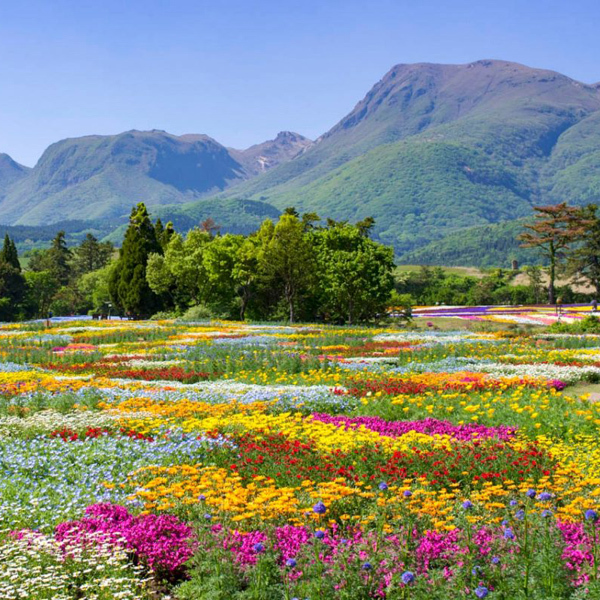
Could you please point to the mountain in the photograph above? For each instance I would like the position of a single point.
(10, 172)
(431, 151)
(99, 177)
(262, 157)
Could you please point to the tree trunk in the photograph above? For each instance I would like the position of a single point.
(552, 276)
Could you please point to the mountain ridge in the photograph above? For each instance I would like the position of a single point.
(429, 151)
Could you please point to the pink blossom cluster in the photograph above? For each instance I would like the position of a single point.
(429, 426)
(163, 542)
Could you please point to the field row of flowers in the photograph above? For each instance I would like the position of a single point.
(233, 461)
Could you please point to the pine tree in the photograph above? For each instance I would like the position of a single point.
(9, 253)
(91, 255)
(555, 229)
(127, 285)
(59, 257)
(12, 282)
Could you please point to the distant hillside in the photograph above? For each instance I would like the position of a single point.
(485, 246)
(103, 176)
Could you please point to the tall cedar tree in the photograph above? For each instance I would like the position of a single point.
(12, 283)
(555, 229)
(59, 257)
(127, 284)
(9, 253)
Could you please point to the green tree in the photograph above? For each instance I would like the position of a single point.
(93, 287)
(555, 229)
(288, 259)
(128, 286)
(91, 255)
(584, 261)
(9, 253)
(41, 287)
(355, 273)
(59, 257)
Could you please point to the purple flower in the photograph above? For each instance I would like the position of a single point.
(513, 503)
(383, 486)
(320, 508)
(207, 516)
(530, 493)
(201, 497)
(546, 514)
(319, 534)
(291, 563)
(407, 493)
(495, 560)
(591, 515)
(544, 497)
(481, 591)
(508, 534)
(258, 547)
(520, 515)
(408, 577)
(467, 505)
(367, 566)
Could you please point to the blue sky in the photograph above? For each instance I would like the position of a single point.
(241, 71)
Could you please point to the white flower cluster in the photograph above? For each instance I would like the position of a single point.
(538, 371)
(51, 420)
(37, 566)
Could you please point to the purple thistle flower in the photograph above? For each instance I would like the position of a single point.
(591, 515)
(408, 577)
(320, 508)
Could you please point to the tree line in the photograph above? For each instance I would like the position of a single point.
(295, 269)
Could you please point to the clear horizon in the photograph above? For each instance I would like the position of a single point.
(241, 73)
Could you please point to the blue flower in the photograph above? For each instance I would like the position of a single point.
(407, 493)
(367, 566)
(591, 515)
(530, 493)
(467, 504)
(383, 486)
(476, 569)
(544, 497)
(520, 515)
(546, 514)
(320, 508)
(408, 577)
(201, 497)
(481, 591)
(291, 563)
(319, 534)
(495, 560)
(258, 547)
(208, 516)
(508, 534)
(513, 503)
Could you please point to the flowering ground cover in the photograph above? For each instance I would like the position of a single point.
(147, 460)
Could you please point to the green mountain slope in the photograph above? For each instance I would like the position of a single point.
(10, 172)
(484, 246)
(436, 148)
(103, 176)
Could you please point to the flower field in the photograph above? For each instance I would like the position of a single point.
(147, 460)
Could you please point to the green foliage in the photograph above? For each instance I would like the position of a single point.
(589, 324)
(128, 287)
(42, 286)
